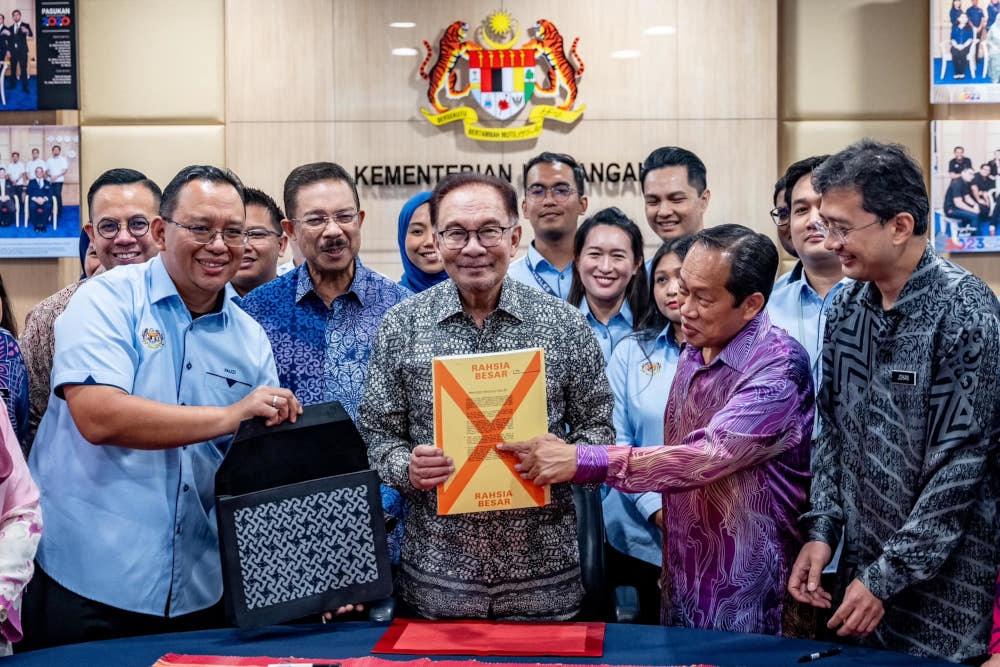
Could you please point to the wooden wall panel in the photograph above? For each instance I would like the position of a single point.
(727, 59)
(280, 59)
(159, 151)
(854, 59)
(142, 61)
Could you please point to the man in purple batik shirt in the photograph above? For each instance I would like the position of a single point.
(734, 468)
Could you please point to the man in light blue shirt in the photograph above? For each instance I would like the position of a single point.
(800, 304)
(553, 203)
(154, 369)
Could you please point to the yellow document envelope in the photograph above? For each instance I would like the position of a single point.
(479, 401)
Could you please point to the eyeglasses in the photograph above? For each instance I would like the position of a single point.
(559, 192)
(780, 215)
(231, 236)
(342, 218)
(110, 229)
(838, 234)
(257, 234)
(457, 238)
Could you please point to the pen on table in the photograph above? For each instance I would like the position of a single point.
(829, 653)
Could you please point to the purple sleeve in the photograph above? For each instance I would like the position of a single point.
(592, 463)
(768, 414)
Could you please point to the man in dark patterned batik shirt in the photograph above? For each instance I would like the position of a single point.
(510, 564)
(905, 461)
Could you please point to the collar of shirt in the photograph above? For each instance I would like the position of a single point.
(625, 313)
(536, 259)
(910, 302)
(666, 338)
(162, 287)
(449, 304)
(801, 288)
(361, 287)
(739, 351)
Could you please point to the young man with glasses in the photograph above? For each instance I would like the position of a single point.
(321, 316)
(121, 202)
(155, 368)
(801, 303)
(905, 463)
(553, 203)
(465, 565)
(266, 242)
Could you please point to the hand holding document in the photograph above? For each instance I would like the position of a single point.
(479, 402)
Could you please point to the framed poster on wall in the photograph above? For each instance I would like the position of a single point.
(965, 158)
(39, 191)
(965, 51)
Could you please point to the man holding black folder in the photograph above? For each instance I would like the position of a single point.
(154, 369)
(501, 564)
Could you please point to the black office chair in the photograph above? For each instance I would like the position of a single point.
(599, 604)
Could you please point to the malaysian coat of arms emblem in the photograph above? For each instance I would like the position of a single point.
(500, 78)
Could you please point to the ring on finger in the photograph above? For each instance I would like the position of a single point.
(274, 401)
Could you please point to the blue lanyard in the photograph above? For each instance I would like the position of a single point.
(538, 278)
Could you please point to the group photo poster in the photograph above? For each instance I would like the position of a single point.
(965, 51)
(39, 191)
(965, 158)
(38, 55)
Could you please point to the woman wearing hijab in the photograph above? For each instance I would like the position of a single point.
(422, 264)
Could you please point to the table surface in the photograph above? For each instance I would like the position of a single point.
(624, 645)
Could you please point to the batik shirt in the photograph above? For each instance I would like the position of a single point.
(322, 352)
(38, 346)
(514, 564)
(906, 460)
(14, 386)
(734, 472)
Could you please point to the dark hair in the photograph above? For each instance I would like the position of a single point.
(887, 178)
(255, 197)
(797, 170)
(637, 290)
(453, 182)
(779, 185)
(7, 320)
(15, 152)
(674, 156)
(314, 172)
(552, 158)
(123, 176)
(195, 172)
(753, 259)
(653, 321)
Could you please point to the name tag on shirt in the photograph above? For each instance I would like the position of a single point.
(903, 377)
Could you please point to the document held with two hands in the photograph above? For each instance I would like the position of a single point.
(481, 400)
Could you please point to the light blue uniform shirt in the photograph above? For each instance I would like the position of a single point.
(558, 282)
(798, 309)
(641, 384)
(786, 278)
(130, 528)
(608, 335)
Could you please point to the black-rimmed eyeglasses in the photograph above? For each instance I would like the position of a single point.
(779, 215)
(110, 229)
